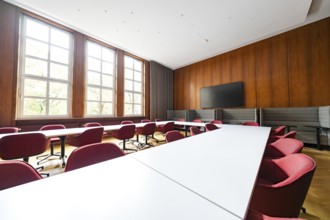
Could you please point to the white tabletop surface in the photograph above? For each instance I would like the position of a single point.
(118, 189)
(220, 165)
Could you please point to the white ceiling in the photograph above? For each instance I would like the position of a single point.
(176, 33)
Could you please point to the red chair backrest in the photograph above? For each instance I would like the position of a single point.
(22, 145)
(93, 153)
(282, 185)
(90, 136)
(194, 131)
(127, 122)
(283, 147)
(145, 121)
(92, 124)
(147, 129)
(126, 132)
(197, 120)
(14, 172)
(251, 123)
(169, 126)
(280, 130)
(291, 134)
(5, 130)
(216, 122)
(211, 127)
(52, 127)
(173, 136)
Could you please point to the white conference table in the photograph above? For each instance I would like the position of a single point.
(63, 133)
(221, 165)
(120, 189)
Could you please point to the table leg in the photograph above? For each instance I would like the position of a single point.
(63, 138)
(318, 141)
(185, 130)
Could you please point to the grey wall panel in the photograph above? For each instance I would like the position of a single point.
(237, 116)
(324, 116)
(161, 90)
(206, 115)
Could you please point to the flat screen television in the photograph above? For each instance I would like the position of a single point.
(220, 96)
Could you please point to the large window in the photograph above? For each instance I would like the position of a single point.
(133, 98)
(100, 80)
(45, 70)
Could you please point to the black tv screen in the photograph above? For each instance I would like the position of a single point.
(220, 96)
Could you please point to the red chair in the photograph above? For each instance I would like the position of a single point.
(22, 146)
(216, 122)
(126, 122)
(282, 185)
(157, 119)
(179, 127)
(254, 215)
(5, 130)
(145, 121)
(89, 136)
(53, 141)
(197, 120)
(92, 154)
(146, 130)
(125, 133)
(163, 129)
(251, 123)
(14, 173)
(283, 147)
(94, 124)
(173, 136)
(195, 131)
(211, 127)
(291, 134)
(280, 130)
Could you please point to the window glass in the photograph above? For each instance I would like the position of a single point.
(133, 97)
(44, 70)
(100, 79)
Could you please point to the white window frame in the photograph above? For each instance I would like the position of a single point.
(135, 92)
(113, 88)
(22, 76)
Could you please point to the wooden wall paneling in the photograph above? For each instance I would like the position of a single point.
(236, 65)
(178, 91)
(120, 83)
(8, 62)
(216, 80)
(199, 68)
(243, 69)
(79, 76)
(147, 89)
(271, 72)
(185, 88)
(207, 65)
(224, 62)
(192, 87)
(308, 64)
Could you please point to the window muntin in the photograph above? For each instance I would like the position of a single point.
(45, 70)
(100, 80)
(133, 86)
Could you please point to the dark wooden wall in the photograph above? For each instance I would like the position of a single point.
(288, 70)
(9, 27)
